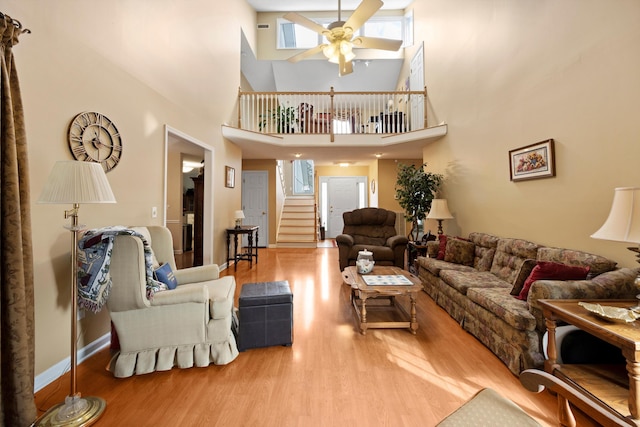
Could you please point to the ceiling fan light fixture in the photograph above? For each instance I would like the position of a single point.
(330, 52)
(349, 56)
(346, 47)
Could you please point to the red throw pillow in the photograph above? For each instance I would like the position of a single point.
(442, 247)
(545, 270)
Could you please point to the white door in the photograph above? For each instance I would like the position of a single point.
(343, 194)
(255, 204)
(416, 82)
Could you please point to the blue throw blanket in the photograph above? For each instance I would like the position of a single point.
(94, 260)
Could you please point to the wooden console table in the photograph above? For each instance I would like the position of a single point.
(251, 251)
(607, 386)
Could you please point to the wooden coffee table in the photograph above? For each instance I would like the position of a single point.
(361, 292)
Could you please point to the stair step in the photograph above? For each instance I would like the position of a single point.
(297, 244)
(295, 237)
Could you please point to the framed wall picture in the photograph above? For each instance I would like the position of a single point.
(533, 161)
(230, 174)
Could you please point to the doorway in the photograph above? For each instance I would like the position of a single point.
(176, 141)
(339, 194)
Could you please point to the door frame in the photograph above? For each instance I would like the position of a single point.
(208, 211)
(322, 202)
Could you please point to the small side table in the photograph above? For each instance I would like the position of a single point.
(414, 250)
(251, 251)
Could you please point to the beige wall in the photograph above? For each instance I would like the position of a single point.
(65, 67)
(507, 74)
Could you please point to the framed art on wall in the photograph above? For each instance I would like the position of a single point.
(230, 174)
(533, 161)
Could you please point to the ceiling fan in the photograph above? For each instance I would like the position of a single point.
(340, 36)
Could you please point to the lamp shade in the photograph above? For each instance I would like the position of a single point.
(73, 181)
(439, 210)
(623, 223)
(239, 215)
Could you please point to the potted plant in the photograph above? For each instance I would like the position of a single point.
(282, 117)
(415, 189)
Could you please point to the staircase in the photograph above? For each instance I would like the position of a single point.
(298, 226)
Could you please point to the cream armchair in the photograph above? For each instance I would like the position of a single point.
(189, 325)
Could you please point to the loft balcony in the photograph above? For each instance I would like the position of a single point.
(336, 126)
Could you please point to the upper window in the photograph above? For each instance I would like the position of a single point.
(294, 36)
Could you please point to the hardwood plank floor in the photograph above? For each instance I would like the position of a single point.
(331, 375)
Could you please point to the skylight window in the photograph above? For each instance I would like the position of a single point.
(294, 36)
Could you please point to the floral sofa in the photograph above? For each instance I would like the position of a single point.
(478, 282)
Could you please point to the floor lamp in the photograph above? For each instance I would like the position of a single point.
(73, 182)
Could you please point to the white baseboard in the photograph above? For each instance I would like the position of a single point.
(60, 368)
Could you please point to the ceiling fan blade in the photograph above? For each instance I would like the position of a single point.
(362, 14)
(377, 43)
(305, 22)
(307, 53)
(344, 67)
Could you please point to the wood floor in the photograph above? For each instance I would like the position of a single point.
(331, 375)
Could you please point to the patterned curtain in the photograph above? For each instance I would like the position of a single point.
(16, 255)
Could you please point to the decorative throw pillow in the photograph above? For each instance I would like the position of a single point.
(521, 277)
(165, 275)
(459, 251)
(545, 270)
(443, 246)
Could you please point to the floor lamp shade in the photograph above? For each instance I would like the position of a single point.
(623, 223)
(73, 182)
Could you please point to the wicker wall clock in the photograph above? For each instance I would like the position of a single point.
(93, 137)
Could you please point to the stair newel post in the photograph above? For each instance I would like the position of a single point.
(239, 108)
(333, 114)
(425, 108)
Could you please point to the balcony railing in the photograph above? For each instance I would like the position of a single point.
(332, 112)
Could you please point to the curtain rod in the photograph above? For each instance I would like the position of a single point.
(16, 23)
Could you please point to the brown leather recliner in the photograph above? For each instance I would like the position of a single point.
(372, 229)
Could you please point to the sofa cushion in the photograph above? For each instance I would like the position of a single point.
(434, 266)
(500, 302)
(598, 264)
(459, 251)
(523, 275)
(552, 271)
(484, 251)
(463, 280)
(510, 254)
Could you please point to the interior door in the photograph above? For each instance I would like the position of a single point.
(255, 204)
(416, 82)
(343, 195)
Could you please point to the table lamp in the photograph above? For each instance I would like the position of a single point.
(239, 216)
(623, 223)
(73, 182)
(439, 211)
